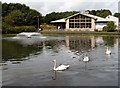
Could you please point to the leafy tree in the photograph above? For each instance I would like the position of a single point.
(93, 12)
(102, 13)
(5, 9)
(117, 15)
(32, 17)
(16, 17)
(20, 14)
(110, 26)
(8, 8)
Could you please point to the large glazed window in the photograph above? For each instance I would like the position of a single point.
(80, 21)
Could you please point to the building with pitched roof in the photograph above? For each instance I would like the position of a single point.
(84, 22)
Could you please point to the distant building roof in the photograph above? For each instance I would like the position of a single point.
(58, 21)
(98, 19)
(72, 15)
(110, 17)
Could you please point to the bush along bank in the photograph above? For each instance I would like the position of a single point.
(7, 29)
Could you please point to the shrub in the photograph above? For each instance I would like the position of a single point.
(7, 29)
(19, 29)
(110, 27)
(105, 28)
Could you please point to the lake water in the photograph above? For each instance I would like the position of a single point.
(28, 61)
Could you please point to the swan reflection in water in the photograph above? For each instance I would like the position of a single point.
(54, 76)
(86, 59)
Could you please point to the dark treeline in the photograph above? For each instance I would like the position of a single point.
(101, 13)
(19, 14)
(16, 14)
(117, 15)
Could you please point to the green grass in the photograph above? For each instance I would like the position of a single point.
(78, 33)
(9, 35)
(59, 33)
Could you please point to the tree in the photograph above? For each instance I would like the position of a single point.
(8, 8)
(117, 15)
(93, 12)
(102, 13)
(14, 18)
(18, 17)
(109, 27)
(20, 14)
(32, 17)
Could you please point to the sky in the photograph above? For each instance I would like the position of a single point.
(48, 6)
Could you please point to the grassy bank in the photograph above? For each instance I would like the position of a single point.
(78, 32)
(59, 33)
(8, 35)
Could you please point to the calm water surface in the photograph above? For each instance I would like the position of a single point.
(28, 61)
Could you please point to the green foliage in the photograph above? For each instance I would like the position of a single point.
(19, 14)
(102, 13)
(19, 29)
(110, 27)
(105, 28)
(14, 18)
(32, 17)
(7, 8)
(117, 15)
(8, 29)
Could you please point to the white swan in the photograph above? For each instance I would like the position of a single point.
(108, 52)
(59, 68)
(86, 59)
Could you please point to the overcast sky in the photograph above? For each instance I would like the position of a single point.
(47, 6)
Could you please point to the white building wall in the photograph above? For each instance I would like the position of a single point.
(99, 26)
(93, 25)
(67, 24)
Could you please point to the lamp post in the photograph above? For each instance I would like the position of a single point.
(38, 22)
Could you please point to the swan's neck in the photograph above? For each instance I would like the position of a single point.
(107, 49)
(54, 65)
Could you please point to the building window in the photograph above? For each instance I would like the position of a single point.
(88, 25)
(71, 25)
(80, 21)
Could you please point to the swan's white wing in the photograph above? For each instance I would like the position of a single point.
(62, 67)
(86, 58)
(108, 52)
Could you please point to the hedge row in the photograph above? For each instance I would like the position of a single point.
(7, 29)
